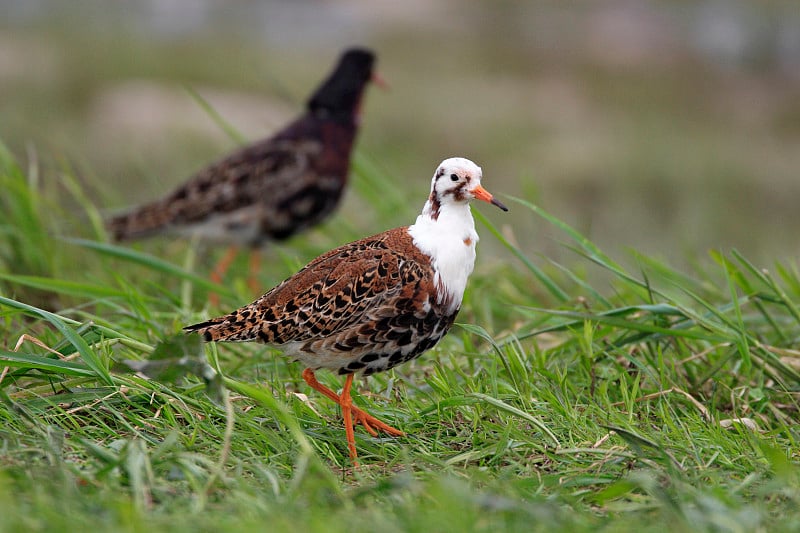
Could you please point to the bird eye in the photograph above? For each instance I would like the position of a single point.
(453, 177)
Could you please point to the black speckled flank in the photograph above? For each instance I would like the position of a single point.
(275, 187)
(418, 338)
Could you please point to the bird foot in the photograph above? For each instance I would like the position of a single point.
(371, 423)
(352, 415)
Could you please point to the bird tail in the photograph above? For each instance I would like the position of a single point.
(140, 222)
(223, 329)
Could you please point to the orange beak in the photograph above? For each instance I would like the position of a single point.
(379, 81)
(482, 194)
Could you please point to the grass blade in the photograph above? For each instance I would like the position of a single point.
(71, 288)
(547, 281)
(151, 262)
(48, 364)
(91, 359)
(234, 134)
(500, 404)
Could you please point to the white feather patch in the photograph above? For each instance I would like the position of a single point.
(444, 240)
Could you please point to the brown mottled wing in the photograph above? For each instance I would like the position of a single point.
(265, 172)
(368, 305)
(274, 177)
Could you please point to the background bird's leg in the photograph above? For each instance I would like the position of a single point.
(219, 270)
(255, 266)
(347, 405)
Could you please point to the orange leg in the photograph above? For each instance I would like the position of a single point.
(255, 266)
(219, 271)
(352, 414)
(347, 408)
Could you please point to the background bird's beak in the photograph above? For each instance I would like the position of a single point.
(379, 81)
(482, 194)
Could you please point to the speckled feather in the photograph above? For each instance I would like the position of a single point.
(275, 187)
(366, 306)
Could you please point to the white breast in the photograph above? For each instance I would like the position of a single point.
(450, 243)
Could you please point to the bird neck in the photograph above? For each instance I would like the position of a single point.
(445, 232)
(340, 116)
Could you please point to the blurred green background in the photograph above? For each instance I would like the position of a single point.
(665, 127)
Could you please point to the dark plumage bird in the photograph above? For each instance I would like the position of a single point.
(375, 303)
(275, 187)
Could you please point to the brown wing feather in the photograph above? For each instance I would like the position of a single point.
(270, 173)
(368, 305)
(323, 297)
(268, 190)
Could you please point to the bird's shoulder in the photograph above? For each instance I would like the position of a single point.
(382, 274)
(271, 161)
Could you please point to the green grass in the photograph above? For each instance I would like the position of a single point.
(577, 397)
